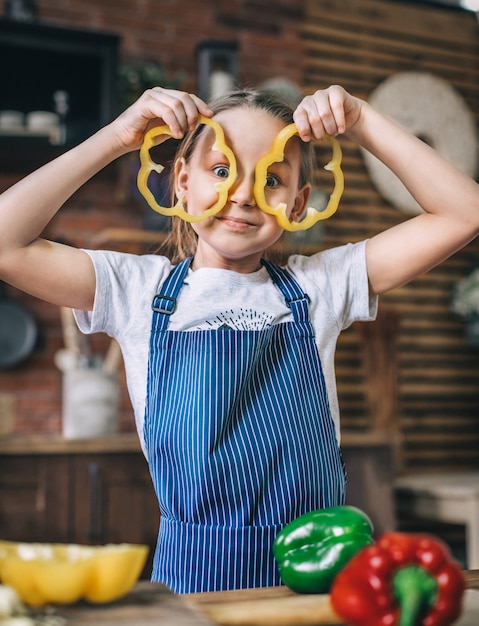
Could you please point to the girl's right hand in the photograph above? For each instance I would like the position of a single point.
(156, 107)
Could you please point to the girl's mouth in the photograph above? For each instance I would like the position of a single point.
(237, 223)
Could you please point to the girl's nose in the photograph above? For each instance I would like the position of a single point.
(242, 191)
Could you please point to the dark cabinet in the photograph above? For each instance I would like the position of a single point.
(34, 493)
(115, 500)
(68, 72)
(78, 498)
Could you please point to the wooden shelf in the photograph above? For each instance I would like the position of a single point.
(46, 444)
(121, 237)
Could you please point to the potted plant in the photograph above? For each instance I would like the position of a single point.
(135, 77)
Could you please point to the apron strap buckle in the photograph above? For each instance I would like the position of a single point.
(163, 304)
(293, 301)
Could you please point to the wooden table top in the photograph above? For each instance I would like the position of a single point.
(151, 604)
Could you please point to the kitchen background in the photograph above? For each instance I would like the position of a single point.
(414, 374)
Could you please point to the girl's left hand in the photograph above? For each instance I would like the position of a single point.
(332, 111)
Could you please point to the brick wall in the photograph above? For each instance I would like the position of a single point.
(268, 33)
(168, 31)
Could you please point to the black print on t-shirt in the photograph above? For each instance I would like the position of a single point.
(240, 319)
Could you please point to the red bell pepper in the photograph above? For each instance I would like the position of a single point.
(402, 580)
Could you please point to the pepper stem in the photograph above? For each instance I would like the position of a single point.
(416, 591)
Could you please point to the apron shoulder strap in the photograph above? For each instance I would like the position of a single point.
(295, 297)
(164, 301)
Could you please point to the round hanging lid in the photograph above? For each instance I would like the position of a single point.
(430, 108)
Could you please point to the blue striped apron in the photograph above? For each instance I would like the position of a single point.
(239, 439)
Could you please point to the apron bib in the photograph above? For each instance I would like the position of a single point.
(239, 439)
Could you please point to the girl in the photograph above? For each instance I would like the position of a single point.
(229, 358)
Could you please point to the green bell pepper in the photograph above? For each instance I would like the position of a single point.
(314, 547)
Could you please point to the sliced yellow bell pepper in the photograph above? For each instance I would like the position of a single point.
(147, 165)
(275, 156)
(65, 573)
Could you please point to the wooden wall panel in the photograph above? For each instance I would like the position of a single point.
(358, 44)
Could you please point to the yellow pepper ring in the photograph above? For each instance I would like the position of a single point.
(147, 165)
(276, 155)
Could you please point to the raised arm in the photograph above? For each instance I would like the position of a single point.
(449, 198)
(54, 272)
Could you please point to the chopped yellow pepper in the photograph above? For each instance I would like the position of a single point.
(276, 155)
(46, 573)
(147, 165)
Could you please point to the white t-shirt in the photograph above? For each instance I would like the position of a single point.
(335, 280)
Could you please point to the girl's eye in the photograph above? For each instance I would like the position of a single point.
(272, 181)
(221, 171)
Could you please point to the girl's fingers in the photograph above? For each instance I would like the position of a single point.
(157, 107)
(202, 107)
(321, 114)
(337, 104)
(173, 108)
(304, 119)
(178, 109)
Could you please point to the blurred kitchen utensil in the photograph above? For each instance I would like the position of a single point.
(75, 341)
(7, 413)
(65, 359)
(90, 403)
(113, 358)
(71, 332)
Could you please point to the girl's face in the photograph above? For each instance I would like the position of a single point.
(237, 236)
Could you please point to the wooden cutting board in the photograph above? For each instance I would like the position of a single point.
(270, 606)
(152, 604)
(149, 604)
(278, 606)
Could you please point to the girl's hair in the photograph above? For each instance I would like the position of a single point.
(181, 241)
